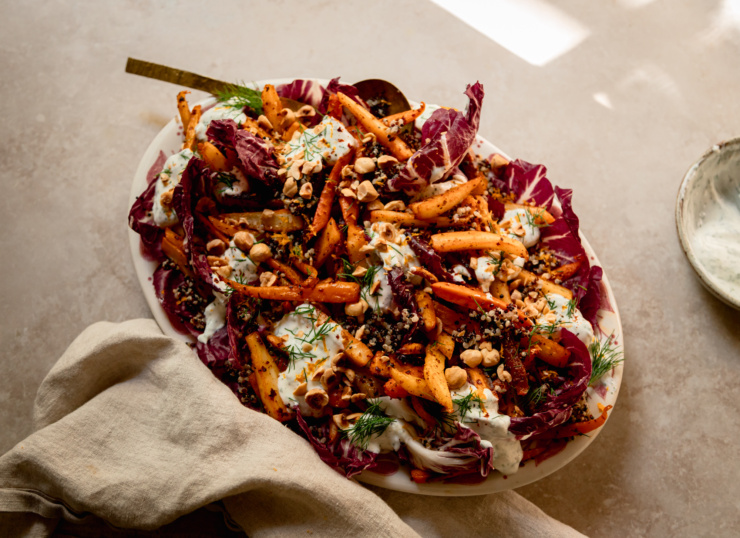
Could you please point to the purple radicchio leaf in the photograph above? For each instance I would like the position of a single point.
(446, 137)
(450, 457)
(558, 407)
(140, 217)
(529, 182)
(562, 237)
(216, 354)
(429, 259)
(403, 295)
(340, 454)
(496, 207)
(191, 188)
(309, 92)
(255, 156)
(592, 299)
(334, 87)
(169, 283)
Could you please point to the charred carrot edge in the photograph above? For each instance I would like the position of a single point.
(211, 228)
(174, 248)
(405, 117)
(184, 108)
(190, 129)
(290, 273)
(308, 269)
(564, 272)
(394, 390)
(326, 199)
(420, 476)
(580, 428)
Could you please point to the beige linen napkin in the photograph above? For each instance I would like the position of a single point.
(133, 428)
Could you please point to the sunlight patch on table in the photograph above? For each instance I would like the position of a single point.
(534, 30)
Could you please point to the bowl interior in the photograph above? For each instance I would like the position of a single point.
(708, 220)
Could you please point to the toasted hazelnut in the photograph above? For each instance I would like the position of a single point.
(490, 357)
(328, 378)
(267, 279)
(375, 205)
(216, 247)
(388, 232)
(215, 261)
(306, 111)
(350, 375)
(359, 271)
(356, 309)
(369, 137)
(471, 357)
(358, 397)
(366, 192)
(348, 172)
(306, 191)
(346, 394)
(456, 377)
(166, 198)
(502, 374)
(260, 253)
(386, 160)
(264, 123)
(349, 193)
(290, 187)
(301, 389)
(341, 421)
(223, 272)
(395, 205)
(336, 359)
(364, 165)
(288, 118)
(244, 241)
(317, 398)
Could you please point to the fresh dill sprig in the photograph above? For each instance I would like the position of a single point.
(535, 396)
(604, 357)
(308, 142)
(296, 354)
(372, 423)
(240, 96)
(570, 308)
(239, 279)
(497, 262)
(465, 404)
(532, 219)
(365, 281)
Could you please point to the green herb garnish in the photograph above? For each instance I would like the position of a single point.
(604, 357)
(465, 404)
(372, 423)
(240, 96)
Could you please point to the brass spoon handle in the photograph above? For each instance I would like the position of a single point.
(175, 76)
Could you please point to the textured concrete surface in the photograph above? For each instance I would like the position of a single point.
(619, 118)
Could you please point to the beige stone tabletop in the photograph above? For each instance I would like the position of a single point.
(617, 98)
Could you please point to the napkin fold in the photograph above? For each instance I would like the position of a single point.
(134, 429)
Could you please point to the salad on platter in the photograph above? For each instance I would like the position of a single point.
(383, 283)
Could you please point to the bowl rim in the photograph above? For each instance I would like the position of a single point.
(705, 277)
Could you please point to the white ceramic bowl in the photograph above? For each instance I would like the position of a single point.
(708, 220)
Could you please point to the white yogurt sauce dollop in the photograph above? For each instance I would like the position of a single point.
(170, 176)
(567, 316)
